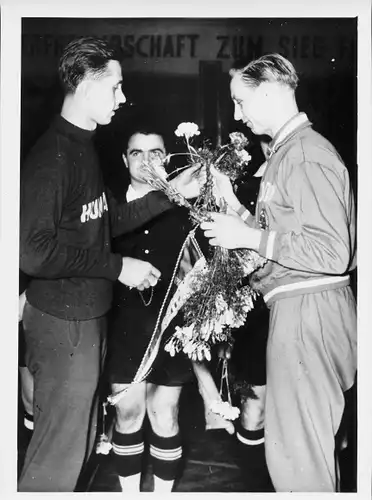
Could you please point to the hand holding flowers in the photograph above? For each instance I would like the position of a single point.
(217, 302)
(189, 182)
(229, 231)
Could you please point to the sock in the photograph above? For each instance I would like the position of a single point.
(252, 461)
(166, 454)
(250, 438)
(28, 421)
(127, 453)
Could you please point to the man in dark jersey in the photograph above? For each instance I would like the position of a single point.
(66, 223)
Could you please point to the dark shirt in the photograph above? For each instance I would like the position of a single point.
(65, 233)
(159, 242)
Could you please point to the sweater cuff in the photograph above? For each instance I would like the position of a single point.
(245, 215)
(267, 244)
(115, 264)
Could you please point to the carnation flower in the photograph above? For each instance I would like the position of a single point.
(103, 446)
(225, 409)
(187, 130)
(186, 331)
(243, 155)
(239, 140)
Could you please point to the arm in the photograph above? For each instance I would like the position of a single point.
(323, 204)
(129, 216)
(126, 217)
(42, 254)
(224, 189)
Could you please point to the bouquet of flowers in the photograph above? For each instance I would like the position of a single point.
(216, 302)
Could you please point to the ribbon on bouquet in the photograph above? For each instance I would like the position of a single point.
(225, 380)
(190, 259)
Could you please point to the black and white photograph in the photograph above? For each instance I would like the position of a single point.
(188, 223)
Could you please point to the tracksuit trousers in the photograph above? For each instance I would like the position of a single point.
(311, 362)
(65, 358)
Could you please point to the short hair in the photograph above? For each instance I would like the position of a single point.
(268, 68)
(146, 127)
(85, 56)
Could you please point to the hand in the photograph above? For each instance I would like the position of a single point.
(21, 305)
(229, 231)
(189, 182)
(224, 189)
(138, 274)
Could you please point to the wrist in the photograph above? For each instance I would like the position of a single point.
(252, 238)
(233, 202)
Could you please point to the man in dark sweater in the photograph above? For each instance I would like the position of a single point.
(66, 223)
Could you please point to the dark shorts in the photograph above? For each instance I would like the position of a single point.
(166, 370)
(129, 336)
(248, 361)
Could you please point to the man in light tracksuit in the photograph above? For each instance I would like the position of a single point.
(305, 226)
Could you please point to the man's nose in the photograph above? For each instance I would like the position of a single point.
(237, 113)
(146, 156)
(121, 99)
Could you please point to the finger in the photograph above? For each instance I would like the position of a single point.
(140, 287)
(207, 225)
(146, 283)
(214, 242)
(212, 217)
(201, 179)
(152, 280)
(209, 233)
(193, 170)
(155, 272)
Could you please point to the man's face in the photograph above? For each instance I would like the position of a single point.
(143, 148)
(105, 94)
(251, 105)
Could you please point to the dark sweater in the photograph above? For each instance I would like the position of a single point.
(65, 225)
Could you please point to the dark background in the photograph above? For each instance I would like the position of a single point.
(191, 83)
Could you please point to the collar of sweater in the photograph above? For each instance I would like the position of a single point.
(132, 194)
(73, 131)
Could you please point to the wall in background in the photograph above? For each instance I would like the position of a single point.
(169, 65)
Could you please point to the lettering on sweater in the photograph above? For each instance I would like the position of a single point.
(94, 209)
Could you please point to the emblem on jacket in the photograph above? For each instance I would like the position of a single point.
(263, 219)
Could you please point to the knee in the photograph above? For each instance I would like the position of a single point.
(129, 417)
(28, 402)
(163, 418)
(253, 412)
(27, 389)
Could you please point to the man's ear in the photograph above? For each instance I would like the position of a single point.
(125, 160)
(83, 89)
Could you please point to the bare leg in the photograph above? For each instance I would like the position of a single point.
(27, 389)
(165, 440)
(127, 438)
(253, 410)
(209, 393)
